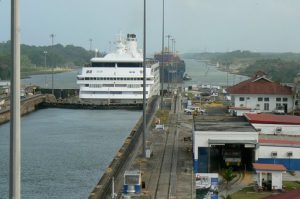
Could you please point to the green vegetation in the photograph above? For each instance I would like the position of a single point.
(33, 58)
(163, 115)
(279, 70)
(250, 193)
(281, 67)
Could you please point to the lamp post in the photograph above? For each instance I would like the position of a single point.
(45, 59)
(91, 42)
(52, 74)
(45, 65)
(15, 122)
(144, 84)
(162, 55)
(168, 36)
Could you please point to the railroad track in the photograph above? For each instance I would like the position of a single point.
(166, 181)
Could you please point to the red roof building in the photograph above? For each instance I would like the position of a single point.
(260, 93)
(269, 167)
(273, 119)
(259, 84)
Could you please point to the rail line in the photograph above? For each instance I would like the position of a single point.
(166, 182)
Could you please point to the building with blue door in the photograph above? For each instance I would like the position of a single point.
(222, 140)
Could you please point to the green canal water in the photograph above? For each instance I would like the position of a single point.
(65, 152)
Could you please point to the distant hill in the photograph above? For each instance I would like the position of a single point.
(282, 67)
(34, 56)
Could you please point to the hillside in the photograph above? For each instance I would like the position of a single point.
(282, 67)
(33, 58)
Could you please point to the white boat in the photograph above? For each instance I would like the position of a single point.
(118, 76)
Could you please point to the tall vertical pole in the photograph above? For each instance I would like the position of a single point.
(144, 84)
(45, 59)
(169, 36)
(162, 55)
(52, 69)
(15, 123)
(91, 41)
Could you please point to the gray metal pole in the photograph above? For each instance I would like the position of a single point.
(162, 55)
(91, 41)
(169, 36)
(15, 120)
(144, 84)
(52, 69)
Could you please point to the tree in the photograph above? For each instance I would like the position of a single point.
(228, 176)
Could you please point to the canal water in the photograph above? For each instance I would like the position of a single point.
(201, 73)
(65, 152)
(204, 73)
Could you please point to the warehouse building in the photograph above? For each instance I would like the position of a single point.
(220, 141)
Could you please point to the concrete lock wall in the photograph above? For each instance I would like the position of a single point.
(103, 188)
(27, 106)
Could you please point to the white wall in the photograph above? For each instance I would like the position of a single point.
(265, 152)
(200, 138)
(271, 128)
(251, 101)
(276, 179)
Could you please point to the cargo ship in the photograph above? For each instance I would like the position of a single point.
(173, 69)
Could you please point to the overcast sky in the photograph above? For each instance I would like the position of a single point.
(197, 25)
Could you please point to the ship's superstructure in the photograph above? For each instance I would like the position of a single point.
(118, 76)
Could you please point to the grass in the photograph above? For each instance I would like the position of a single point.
(163, 115)
(249, 193)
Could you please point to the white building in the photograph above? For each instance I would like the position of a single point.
(229, 138)
(261, 94)
(224, 141)
(269, 175)
(275, 124)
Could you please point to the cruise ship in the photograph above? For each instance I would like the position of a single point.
(118, 76)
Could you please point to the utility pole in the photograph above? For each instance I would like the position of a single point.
(172, 48)
(15, 106)
(162, 55)
(169, 36)
(91, 41)
(144, 85)
(45, 59)
(52, 76)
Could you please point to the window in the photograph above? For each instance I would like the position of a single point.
(285, 99)
(266, 106)
(99, 64)
(278, 99)
(266, 99)
(278, 106)
(242, 99)
(260, 99)
(130, 65)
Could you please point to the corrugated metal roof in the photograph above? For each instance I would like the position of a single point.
(269, 167)
(272, 119)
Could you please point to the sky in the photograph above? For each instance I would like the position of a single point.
(196, 25)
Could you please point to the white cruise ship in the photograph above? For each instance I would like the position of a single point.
(118, 77)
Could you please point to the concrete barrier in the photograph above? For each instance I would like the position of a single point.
(28, 105)
(103, 188)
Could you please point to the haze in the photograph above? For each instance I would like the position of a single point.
(197, 25)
